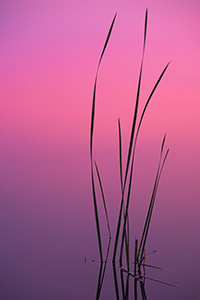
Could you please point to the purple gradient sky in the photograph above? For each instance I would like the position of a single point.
(48, 57)
(49, 54)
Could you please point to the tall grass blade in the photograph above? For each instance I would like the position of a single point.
(148, 100)
(91, 143)
(135, 256)
(126, 238)
(120, 155)
(126, 211)
(147, 221)
(137, 100)
(121, 181)
(151, 205)
(151, 202)
(126, 214)
(151, 208)
(107, 39)
(103, 198)
(96, 216)
(95, 84)
(131, 139)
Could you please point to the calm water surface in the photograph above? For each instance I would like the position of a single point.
(48, 239)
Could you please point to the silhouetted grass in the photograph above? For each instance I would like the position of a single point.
(151, 205)
(91, 144)
(103, 198)
(126, 180)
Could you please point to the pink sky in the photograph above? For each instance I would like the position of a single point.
(49, 52)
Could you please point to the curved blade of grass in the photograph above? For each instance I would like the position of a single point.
(148, 218)
(103, 198)
(135, 255)
(91, 143)
(137, 99)
(96, 216)
(131, 139)
(95, 84)
(126, 238)
(120, 155)
(126, 210)
(125, 220)
(151, 207)
(149, 214)
(148, 100)
(126, 214)
(121, 181)
(107, 39)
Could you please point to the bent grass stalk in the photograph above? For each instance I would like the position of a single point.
(121, 181)
(91, 143)
(103, 198)
(151, 205)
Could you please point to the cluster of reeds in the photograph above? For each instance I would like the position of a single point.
(121, 239)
